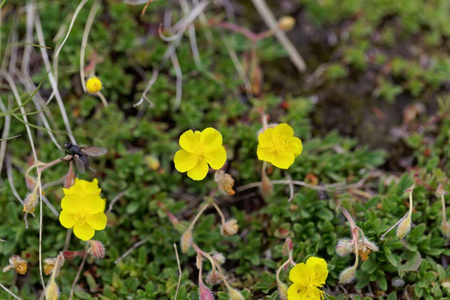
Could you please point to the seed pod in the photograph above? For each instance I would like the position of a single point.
(186, 241)
(347, 275)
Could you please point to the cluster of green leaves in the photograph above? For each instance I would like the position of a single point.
(125, 41)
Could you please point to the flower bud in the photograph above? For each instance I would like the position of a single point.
(18, 264)
(445, 229)
(347, 275)
(287, 246)
(186, 241)
(286, 23)
(152, 162)
(282, 291)
(204, 292)
(69, 180)
(52, 290)
(31, 201)
(440, 191)
(93, 85)
(234, 294)
(30, 182)
(49, 265)
(213, 277)
(225, 182)
(97, 250)
(344, 247)
(230, 227)
(266, 185)
(219, 258)
(404, 227)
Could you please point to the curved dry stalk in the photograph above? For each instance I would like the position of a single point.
(87, 29)
(9, 292)
(79, 7)
(22, 110)
(272, 23)
(135, 245)
(4, 134)
(48, 68)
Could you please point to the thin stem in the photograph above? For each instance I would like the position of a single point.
(444, 211)
(86, 31)
(410, 203)
(77, 277)
(141, 242)
(179, 271)
(222, 217)
(9, 292)
(204, 207)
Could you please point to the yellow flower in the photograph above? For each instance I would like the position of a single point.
(279, 146)
(83, 209)
(93, 85)
(198, 149)
(307, 279)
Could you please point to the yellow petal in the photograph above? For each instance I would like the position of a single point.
(318, 270)
(190, 141)
(283, 161)
(211, 139)
(216, 158)
(265, 138)
(199, 171)
(295, 145)
(66, 219)
(184, 160)
(297, 292)
(83, 231)
(299, 274)
(72, 202)
(94, 205)
(265, 154)
(283, 130)
(97, 221)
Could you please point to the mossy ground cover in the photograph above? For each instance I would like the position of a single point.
(372, 109)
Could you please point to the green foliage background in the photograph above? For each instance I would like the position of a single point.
(371, 54)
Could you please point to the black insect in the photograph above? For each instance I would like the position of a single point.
(80, 155)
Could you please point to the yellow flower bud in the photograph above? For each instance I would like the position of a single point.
(93, 85)
(286, 23)
(152, 162)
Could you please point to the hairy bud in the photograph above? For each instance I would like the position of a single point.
(404, 227)
(49, 265)
(235, 294)
(347, 275)
(282, 291)
(230, 227)
(97, 250)
(213, 277)
(219, 258)
(186, 241)
(31, 201)
(204, 292)
(344, 247)
(225, 182)
(52, 290)
(445, 229)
